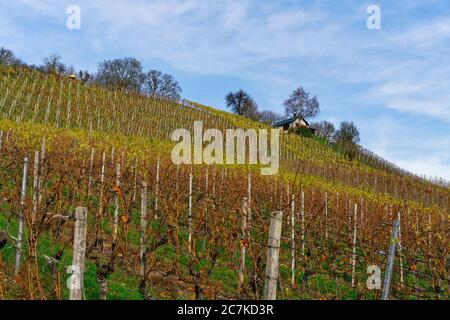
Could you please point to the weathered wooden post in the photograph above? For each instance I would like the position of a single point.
(157, 189)
(273, 254)
(243, 242)
(35, 185)
(326, 215)
(390, 262)
(143, 228)
(206, 209)
(116, 205)
(113, 149)
(416, 279)
(79, 252)
(135, 173)
(91, 164)
(249, 205)
(293, 242)
(190, 214)
(102, 180)
(41, 173)
(400, 247)
(354, 246)
(303, 224)
(20, 231)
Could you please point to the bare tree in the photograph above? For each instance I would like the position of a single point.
(347, 133)
(251, 110)
(158, 84)
(124, 73)
(269, 117)
(238, 101)
(8, 58)
(300, 104)
(84, 76)
(53, 64)
(71, 71)
(325, 129)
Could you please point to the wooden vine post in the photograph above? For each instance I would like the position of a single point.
(390, 262)
(303, 224)
(20, 231)
(243, 242)
(400, 248)
(116, 205)
(143, 228)
(41, 173)
(79, 253)
(326, 215)
(91, 164)
(273, 255)
(293, 242)
(157, 189)
(354, 246)
(190, 214)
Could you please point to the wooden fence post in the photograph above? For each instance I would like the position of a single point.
(303, 224)
(35, 185)
(243, 242)
(116, 205)
(326, 215)
(273, 254)
(135, 173)
(41, 173)
(354, 246)
(249, 205)
(79, 252)
(157, 189)
(293, 242)
(390, 262)
(190, 214)
(20, 231)
(102, 180)
(112, 155)
(91, 164)
(400, 247)
(416, 279)
(143, 228)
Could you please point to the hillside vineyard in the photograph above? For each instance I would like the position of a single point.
(229, 147)
(160, 230)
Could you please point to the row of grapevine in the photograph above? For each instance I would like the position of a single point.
(63, 103)
(204, 227)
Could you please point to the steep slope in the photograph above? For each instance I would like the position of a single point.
(64, 103)
(87, 146)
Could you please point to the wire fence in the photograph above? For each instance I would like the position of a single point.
(214, 222)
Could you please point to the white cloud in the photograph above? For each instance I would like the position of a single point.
(430, 167)
(42, 7)
(234, 15)
(424, 35)
(435, 109)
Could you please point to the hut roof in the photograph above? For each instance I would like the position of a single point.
(289, 121)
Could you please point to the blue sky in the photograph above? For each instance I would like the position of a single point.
(394, 82)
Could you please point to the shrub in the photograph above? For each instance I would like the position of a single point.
(302, 131)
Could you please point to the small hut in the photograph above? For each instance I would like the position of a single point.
(293, 123)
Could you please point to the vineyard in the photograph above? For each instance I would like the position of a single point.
(160, 231)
